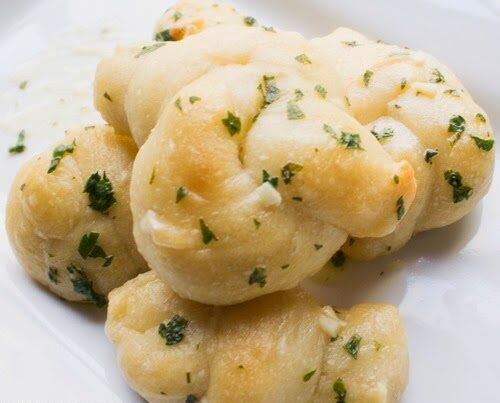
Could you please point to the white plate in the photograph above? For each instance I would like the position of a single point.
(445, 282)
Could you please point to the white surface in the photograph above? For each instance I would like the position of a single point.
(445, 282)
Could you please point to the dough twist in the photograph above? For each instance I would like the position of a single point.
(71, 228)
(279, 348)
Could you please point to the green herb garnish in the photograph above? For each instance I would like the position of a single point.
(395, 178)
(352, 346)
(400, 208)
(206, 233)
(294, 112)
(82, 285)
(162, 36)
(480, 117)
(182, 192)
(303, 58)
(88, 248)
(258, 276)
(403, 83)
(367, 76)
(23, 84)
(308, 376)
(194, 99)
(352, 44)
(53, 275)
(232, 123)
(19, 147)
(317, 246)
(108, 97)
(173, 331)
(350, 140)
(272, 180)
(250, 21)
(57, 155)
(100, 190)
(270, 92)
(429, 154)
(484, 144)
(460, 191)
(456, 125)
(289, 171)
(383, 134)
(437, 78)
(177, 15)
(257, 223)
(178, 104)
(340, 391)
(151, 48)
(321, 91)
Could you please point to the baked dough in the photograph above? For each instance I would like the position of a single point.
(282, 347)
(422, 114)
(207, 219)
(189, 17)
(257, 103)
(77, 243)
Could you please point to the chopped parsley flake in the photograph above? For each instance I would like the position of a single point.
(352, 346)
(151, 48)
(451, 92)
(23, 84)
(352, 44)
(257, 223)
(100, 190)
(460, 191)
(294, 112)
(298, 94)
(177, 15)
(456, 125)
(82, 285)
(437, 77)
(19, 147)
(377, 345)
(270, 92)
(429, 154)
(269, 29)
(272, 180)
(232, 123)
(53, 274)
(57, 155)
(484, 144)
(182, 192)
(383, 134)
(395, 178)
(178, 104)
(321, 91)
(346, 99)
(191, 399)
(308, 376)
(206, 233)
(289, 171)
(400, 208)
(338, 259)
(403, 83)
(250, 21)
(285, 266)
(367, 77)
(303, 58)
(480, 117)
(163, 36)
(108, 97)
(153, 176)
(258, 276)
(340, 391)
(194, 99)
(297, 198)
(317, 246)
(351, 140)
(173, 331)
(88, 248)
